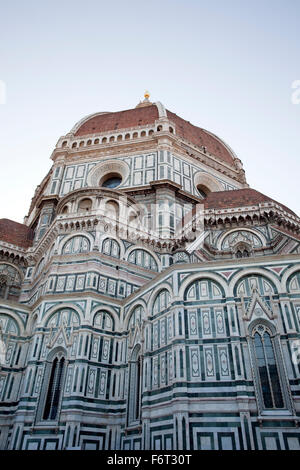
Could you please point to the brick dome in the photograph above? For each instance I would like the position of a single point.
(148, 115)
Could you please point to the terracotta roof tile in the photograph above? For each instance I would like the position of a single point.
(120, 120)
(148, 115)
(200, 137)
(238, 198)
(15, 233)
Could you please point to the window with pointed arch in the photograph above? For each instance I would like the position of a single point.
(136, 316)
(52, 390)
(242, 253)
(245, 286)
(111, 247)
(269, 374)
(104, 321)
(10, 282)
(8, 325)
(162, 301)
(67, 317)
(135, 384)
(78, 244)
(143, 258)
(9, 341)
(293, 283)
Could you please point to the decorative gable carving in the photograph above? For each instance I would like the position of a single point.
(136, 335)
(60, 338)
(257, 308)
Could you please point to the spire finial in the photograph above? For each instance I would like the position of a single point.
(146, 95)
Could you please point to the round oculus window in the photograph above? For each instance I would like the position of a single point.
(112, 182)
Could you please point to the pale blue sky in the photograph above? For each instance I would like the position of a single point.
(225, 65)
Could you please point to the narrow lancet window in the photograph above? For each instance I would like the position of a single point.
(268, 375)
(54, 390)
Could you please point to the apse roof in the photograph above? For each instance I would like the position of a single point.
(239, 198)
(16, 234)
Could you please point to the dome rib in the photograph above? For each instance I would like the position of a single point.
(201, 138)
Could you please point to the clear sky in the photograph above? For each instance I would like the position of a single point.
(225, 65)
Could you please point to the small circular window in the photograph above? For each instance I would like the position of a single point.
(203, 190)
(112, 182)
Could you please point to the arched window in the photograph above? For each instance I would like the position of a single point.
(112, 210)
(267, 372)
(242, 251)
(111, 247)
(134, 395)
(54, 390)
(113, 181)
(67, 317)
(246, 285)
(78, 244)
(204, 289)
(136, 316)
(8, 325)
(84, 205)
(162, 301)
(104, 321)
(203, 190)
(143, 258)
(293, 283)
(10, 282)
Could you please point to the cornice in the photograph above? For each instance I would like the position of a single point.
(11, 304)
(269, 212)
(94, 190)
(204, 266)
(255, 261)
(233, 171)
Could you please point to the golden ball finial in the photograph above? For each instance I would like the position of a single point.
(146, 95)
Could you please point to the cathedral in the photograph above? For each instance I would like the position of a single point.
(151, 298)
